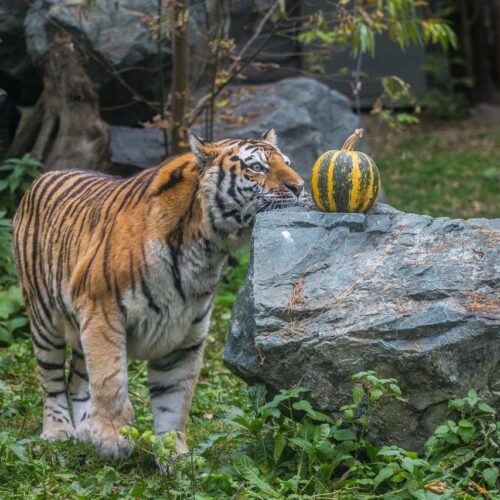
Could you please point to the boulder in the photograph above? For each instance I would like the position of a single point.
(133, 149)
(409, 296)
(118, 39)
(308, 117)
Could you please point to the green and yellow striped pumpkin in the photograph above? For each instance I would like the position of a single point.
(345, 180)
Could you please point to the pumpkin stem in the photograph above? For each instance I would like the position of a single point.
(350, 143)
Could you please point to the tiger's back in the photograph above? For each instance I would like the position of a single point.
(71, 232)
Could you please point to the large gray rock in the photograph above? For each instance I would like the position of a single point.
(409, 296)
(308, 117)
(133, 149)
(117, 37)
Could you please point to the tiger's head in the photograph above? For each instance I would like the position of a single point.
(243, 177)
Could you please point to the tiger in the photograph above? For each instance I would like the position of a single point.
(118, 268)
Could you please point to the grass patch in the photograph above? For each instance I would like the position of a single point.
(243, 447)
(451, 171)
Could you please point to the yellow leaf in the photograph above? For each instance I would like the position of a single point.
(479, 488)
(222, 103)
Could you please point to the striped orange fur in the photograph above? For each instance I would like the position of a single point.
(120, 268)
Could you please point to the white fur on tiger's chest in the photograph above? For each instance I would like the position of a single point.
(168, 308)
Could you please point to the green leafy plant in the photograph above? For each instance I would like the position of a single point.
(7, 268)
(446, 97)
(284, 448)
(13, 319)
(357, 24)
(392, 105)
(16, 176)
(298, 451)
(467, 444)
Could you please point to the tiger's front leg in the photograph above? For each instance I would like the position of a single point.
(172, 380)
(103, 340)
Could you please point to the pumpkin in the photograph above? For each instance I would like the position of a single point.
(345, 180)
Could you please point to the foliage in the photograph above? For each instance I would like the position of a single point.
(351, 24)
(469, 441)
(13, 319)
(356, 24)
(391, 105)
(282, 448)
(7, 268)
(16, 175)
(445, 98)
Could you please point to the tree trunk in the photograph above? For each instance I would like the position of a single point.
(180, 75)
(484, 86)
(465, 39)
(495, 10)
(65, 129)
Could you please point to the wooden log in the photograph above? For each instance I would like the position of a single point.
(65, 129)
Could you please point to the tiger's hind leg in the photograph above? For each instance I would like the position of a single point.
(79, 392)
(172, 380)
(50, 357)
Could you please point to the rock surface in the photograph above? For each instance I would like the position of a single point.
(118, 39)
(135, 148)
(308, 117)
(409, 296)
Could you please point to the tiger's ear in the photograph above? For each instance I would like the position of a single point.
(270, 136)
(205, 152)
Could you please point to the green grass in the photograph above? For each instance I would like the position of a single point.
(452, 172)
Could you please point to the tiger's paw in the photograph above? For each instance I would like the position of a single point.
(83, 432)
(61, 432)
(113, 448)
(106, 437)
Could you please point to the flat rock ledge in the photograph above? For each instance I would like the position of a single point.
(410, 296)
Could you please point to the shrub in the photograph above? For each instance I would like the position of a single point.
(16, 175)
(286, 449)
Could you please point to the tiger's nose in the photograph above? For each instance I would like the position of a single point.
(295, 187)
